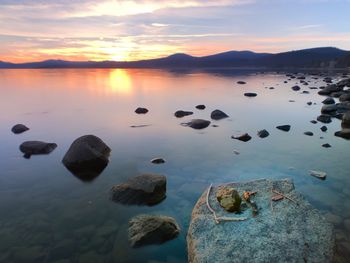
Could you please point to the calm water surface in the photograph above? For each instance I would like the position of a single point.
(49, 215)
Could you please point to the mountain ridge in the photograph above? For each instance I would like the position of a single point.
(311, 57)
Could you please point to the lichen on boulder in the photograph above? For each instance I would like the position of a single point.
(229, 199)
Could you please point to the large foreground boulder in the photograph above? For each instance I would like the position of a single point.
(151, 229)
(281, 231)
(87, 157)
(145, 189)
(30, 148)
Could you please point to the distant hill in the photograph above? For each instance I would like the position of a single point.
(313, 57)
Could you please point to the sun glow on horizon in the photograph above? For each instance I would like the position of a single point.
(119, 82)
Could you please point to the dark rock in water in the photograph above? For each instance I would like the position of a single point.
(329, 100)
(200, 107)
(324, 128)
(301, 77)
(336, 94)
(218, 115)
(327, 109)
(263, 133)
(157, 160)
(241, 82)
(346, 120)
(244, 137)
(305, 92)
(87, 157)
(145, 189)
(309, 133)
(344, 133)
(181, 113)
(284, 127)
(343, 107)
(229, 199)
(309, 103)
(291, 100)
(310, 237)
(327, 80)
(215, 126)
(295, 88)
(330, 89)
(151, 229)
(19, 128)
(197, 124)
(344, 97)
(313, 88)
(30, 148)
(250, 94)
(141, 110)
(324, 118)
(344, 83)
(326, 145)
(313, 122)
(271, 88)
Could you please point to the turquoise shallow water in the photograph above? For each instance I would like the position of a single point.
(49, 215)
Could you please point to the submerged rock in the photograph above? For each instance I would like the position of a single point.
(285, 128)
(295, 88)
(197, 124)
(145, 189)
(19, 128)
(140, 110)
(229, 199)
(318, 174)
(87, 157)
(30, 148)
(324, 128)
(200, 107)
(309, 103)
(307, 235)
(263, 133)
(250, 94)
(152, 229)
(326, 145)
(244, 137)
(313, 122)
(181, 113)
(218, 115)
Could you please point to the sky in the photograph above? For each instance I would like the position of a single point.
(126, 30)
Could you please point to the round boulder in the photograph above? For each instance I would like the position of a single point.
(140, 110)
(181, 113)
(197, 124)
(87, 157)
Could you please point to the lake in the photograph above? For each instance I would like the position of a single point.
(49, 215)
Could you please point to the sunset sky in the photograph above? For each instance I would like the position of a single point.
(33, 30)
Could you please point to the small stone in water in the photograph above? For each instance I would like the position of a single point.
(324, 128)
(326, 145)
(308, 133)
(318, 174)
(313, 121)
(158, 160)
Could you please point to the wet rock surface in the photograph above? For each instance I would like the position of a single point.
(258, 239)
(197, 124)
(140, 110)
(87, 157)
(244, 137)
(218, 115)
(152, 229)
(263, 133)
(181, 113)
(285, 128)
(30, 148)
(145, 189)
(19, 128)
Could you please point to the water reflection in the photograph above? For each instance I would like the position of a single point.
(120, 82)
